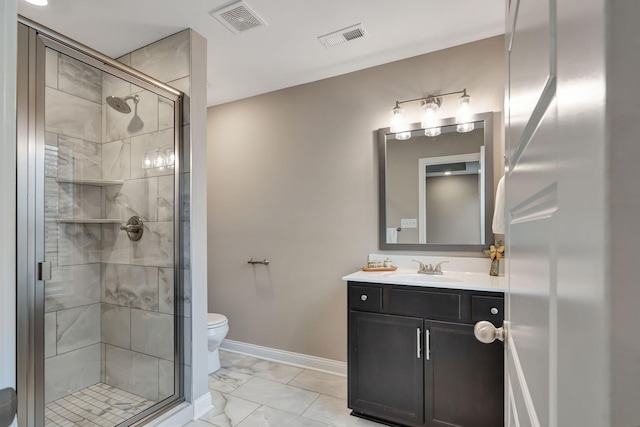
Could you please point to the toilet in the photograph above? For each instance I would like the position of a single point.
(217, 329)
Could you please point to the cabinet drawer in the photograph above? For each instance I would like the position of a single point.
(433, 305)
(487, 308)
(365, 298)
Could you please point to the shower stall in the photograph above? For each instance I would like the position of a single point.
(99, 266)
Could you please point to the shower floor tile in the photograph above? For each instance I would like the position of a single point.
(99, 405)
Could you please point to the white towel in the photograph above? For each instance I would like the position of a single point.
(498, 212)
(392, 235)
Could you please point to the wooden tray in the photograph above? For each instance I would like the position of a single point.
(392, 268)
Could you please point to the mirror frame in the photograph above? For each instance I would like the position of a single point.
(487, 118)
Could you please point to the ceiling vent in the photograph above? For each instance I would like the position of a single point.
(238, 17)
(342, 36)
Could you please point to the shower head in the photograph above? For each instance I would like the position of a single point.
(120, 104)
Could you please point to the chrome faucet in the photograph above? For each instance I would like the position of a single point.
(424, 269)
(438, 268)
(429, 269)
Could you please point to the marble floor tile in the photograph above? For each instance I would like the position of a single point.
(228, 410)
(334, 411)
(228, 359)
(268, 370)
(198, 423)
(321, 382)
(269, 417)
(276, 395)
(226, 380)
(310, 399)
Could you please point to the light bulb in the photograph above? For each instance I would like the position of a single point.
(159, 161)
(430, 117)
(146, 162)
(464, 120)
(432, 131)
(403, 136)
(397, 120)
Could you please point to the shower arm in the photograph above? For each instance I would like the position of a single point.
(135, 98)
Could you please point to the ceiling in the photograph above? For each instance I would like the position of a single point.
(286, 52)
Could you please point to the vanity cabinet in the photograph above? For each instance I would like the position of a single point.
(413, 358)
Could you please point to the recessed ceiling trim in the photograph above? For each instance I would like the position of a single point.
(238, 17)
(348, 34)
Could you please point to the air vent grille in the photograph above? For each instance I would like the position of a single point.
(342, 36)
(353, 34)
(238, 17)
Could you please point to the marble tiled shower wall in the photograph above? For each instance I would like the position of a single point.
(109, 306)
(169, 61)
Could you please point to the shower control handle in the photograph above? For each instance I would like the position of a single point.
(130, 228)
(134, 228)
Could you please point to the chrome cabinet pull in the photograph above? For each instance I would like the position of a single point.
(363, 297)
(494, 310)
(418, 346)
(428, 340)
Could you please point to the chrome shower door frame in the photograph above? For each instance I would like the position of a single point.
(33, 40)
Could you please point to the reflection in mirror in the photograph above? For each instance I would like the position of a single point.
(436, 192)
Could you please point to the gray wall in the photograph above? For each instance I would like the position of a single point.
(292, 177)
(453, 209)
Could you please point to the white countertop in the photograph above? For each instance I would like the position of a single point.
(450, 279)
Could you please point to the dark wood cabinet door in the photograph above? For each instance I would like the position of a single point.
(464, 378)
(386, 368)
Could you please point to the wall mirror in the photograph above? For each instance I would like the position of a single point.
(436, 192)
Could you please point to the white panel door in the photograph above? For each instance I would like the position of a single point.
(8, 48)
(555, 191)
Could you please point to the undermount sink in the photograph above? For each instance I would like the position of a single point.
(427, 278)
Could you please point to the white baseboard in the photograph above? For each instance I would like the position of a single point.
(202, 405)
(287, 357)
(178, 416)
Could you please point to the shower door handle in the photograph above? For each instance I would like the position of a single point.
(44, 271)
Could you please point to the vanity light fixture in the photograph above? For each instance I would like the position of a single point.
(430, 116)
(464, 114)
(38, 2)
(159, 159)
(430, 105)
(399, 123)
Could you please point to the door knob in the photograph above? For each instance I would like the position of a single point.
(486, 333)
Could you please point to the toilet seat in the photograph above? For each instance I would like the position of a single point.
(215, 320)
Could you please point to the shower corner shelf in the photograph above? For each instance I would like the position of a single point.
(94, 182)
(88, 221)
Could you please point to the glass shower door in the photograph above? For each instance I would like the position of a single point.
(110, 244)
